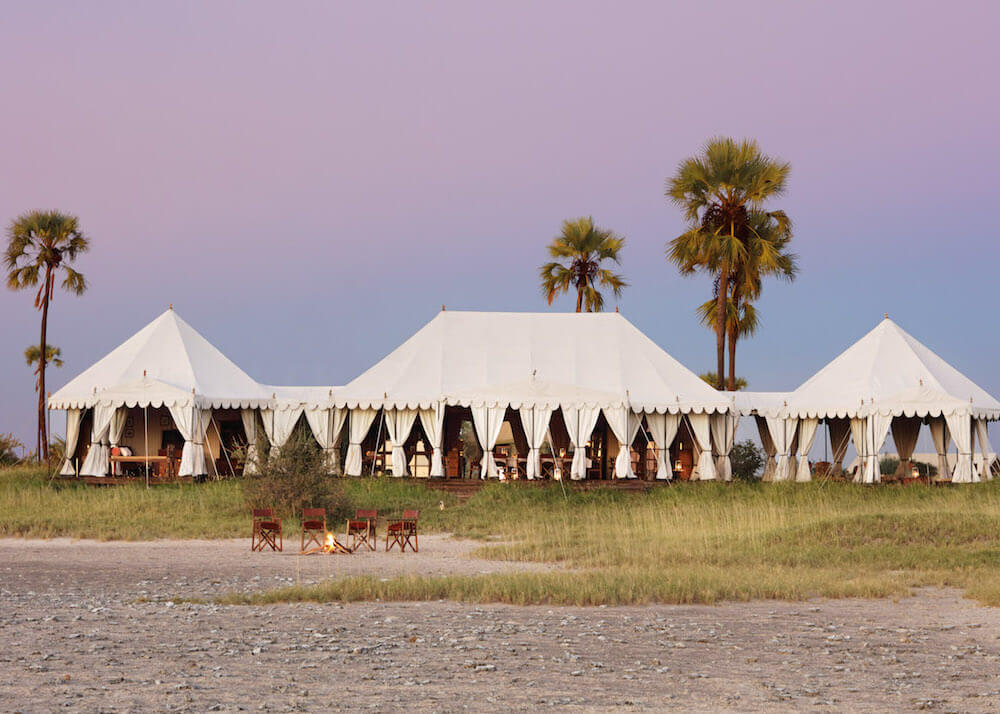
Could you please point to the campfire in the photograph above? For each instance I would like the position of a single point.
(330, 546)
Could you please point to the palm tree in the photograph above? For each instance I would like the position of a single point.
(711, 379)
(722, 193)
(578, 253)
(53, 355)
(39, 244)
(741, 321)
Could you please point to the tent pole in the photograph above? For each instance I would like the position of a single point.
(145, 440)
(557, 463)
(221, 448)
(378, 443)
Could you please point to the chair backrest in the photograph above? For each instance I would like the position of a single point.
(263, 513)
(313, 513)
(410, 515)
(370, 513)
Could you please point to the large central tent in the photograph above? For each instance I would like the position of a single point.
(584, 364)
(887, 380)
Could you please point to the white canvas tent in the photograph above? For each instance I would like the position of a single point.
(166, 364)
(886, 381)
(583, 364)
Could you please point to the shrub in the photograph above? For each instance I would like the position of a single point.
(746, 459)
(294, 478)
(887, 465)
(8, 450)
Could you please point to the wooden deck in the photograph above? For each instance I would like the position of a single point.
(125, 480)
(462, 488)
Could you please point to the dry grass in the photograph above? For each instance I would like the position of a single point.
(32, 506)
(682, 544)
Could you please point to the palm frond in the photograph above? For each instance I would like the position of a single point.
(577, 254)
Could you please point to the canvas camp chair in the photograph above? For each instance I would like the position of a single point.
(361, 529)
(403, 532)
(313, 527)
(266, 530)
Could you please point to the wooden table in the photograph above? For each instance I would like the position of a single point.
(165, 460)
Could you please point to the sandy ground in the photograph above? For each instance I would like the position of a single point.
(73, 637)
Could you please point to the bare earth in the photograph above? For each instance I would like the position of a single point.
(73, 637)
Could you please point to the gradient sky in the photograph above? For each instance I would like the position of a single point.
(307, 183)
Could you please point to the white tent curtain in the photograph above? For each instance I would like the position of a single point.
(840, 438)
(960, 426)
(535, 421)
(73, 419)
(432, 421)
(664, 428)
(876, 432)
(905, 432)
(624, 424)
(782, 433)
(989, 456)
(770, 463)
(580, 423)
(325, 425)
(488, 422)
(279, 425)
(96, 462)
(941, 436)
(249, 417)
(858, 425)
(398, 424)
(115, 431)
(117, 427)
(186, 420)
(723, 437)
(358, 426)
(206, 424)
(702, 431)
(807, 434)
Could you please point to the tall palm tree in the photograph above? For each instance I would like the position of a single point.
(33, 355)
(39, 245)
(722, 192)
(578, 253)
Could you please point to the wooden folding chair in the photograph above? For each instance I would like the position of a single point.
(266, 530)
(313, 527)
(361, 529)
(403, 532)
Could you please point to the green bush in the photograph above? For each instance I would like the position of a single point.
(747, 460)
(887, 465)
(8, 450)
(294, 477)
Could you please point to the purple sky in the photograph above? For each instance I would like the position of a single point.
(308, 183)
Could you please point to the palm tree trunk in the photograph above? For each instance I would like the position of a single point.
(579, 299)
(720, 327)
(732, 357)
(43, 442)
